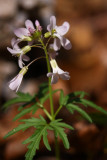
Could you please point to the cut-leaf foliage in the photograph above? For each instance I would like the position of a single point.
(73, 97)
(21, 97)
(41, 131)
(74, 107)
(58, 128)
(27, 123)
(34, 141)
(93, 105)
(32, 108)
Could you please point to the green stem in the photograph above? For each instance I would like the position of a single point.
(58, 110)
(49, 82)
(47, 113)
(57, 150)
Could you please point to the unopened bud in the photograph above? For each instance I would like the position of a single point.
(47, 34)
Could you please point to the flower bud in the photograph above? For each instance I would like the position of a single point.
(37, 34)
(26, 49)
(47, 34)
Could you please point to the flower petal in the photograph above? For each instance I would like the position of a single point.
(52, 24)
(15, 83)
(54, 79)
(62, 30)
(13, 51)
(56, 44)
(20, 32)
(20, 62)
(29, 24)
(14, 43)
(49, 74)
(66, 43)
(25, 58)
(65, 76)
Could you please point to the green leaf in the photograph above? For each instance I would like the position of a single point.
(32, 108)
(45, 139)
(59, 130)
(78, 109)
(74, 97)
(35, 141)
(62, 135)
(22, 113)
(20, 127)
(93, 105)
(35, 122)
(22, 97)
(34, 145)
(61, 124)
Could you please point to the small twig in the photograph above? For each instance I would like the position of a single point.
(35, 60)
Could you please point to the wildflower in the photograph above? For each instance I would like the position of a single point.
(57, 72)
(15, 83)
(16, 51)
(58, 32)
(28, 33)
(52, 53)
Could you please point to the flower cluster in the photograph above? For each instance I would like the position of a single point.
(34, 38)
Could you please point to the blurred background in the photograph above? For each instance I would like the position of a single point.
(86, 62)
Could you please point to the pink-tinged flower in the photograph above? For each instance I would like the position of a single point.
(26, 34)
(58, 33)
(57, 72)
(38, 26)
(51, 52)
(15, 83)
(16, 51)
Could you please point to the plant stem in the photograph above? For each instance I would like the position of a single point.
(46, 112)
(49, 82)
(58, 110)
(57, 150)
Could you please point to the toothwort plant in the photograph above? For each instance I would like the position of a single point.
(50, 42)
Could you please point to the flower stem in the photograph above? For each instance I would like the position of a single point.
(57, 150)
(49, 82)
(35, 60)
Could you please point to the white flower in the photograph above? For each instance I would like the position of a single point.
(16, 51)
(15, 83)
(51, 52)
(57, 72)
(26, 34)
(58, 32)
